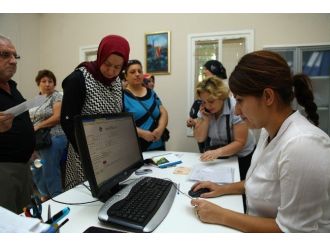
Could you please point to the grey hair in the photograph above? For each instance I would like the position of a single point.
(4, 38)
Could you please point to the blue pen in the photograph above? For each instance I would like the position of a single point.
(170, 164)
(57, 217)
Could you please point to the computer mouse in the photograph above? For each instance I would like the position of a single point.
(197, 193)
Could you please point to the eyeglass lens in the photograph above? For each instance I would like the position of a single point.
(6, 55)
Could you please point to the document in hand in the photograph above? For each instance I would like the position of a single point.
(26, 105)
(216, 174)
(165, 160)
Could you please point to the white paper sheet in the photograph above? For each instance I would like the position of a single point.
(26, 105)
(216, 174)
(11, 223)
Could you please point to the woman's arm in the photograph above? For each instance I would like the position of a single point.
(74, 90)
(211, 213)
(53, 119)
(240, 131)
(202, 125)
(162, 123)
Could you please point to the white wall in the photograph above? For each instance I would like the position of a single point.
(24, 31)
(52, 41)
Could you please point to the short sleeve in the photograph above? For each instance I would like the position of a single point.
(57, 97)
(159, 102)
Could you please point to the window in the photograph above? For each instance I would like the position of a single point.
(227, 47)
(314, 61)
(88, 53)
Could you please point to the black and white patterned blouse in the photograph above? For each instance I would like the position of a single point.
(93, 98)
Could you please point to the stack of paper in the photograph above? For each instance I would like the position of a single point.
(216, 174)
(11, 222)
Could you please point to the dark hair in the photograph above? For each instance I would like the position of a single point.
(216, 68)
(266, 69)
(45, 73)
(130, 63)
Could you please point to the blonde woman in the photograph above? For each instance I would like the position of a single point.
(224, 133)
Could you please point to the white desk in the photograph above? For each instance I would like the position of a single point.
(180, 219)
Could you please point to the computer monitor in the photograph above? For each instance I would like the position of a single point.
(109, 151)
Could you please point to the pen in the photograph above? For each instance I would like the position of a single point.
(57, 217)
(60, 225)
(49, 216)
(178, 188)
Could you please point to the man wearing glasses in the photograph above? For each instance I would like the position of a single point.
(16, 136)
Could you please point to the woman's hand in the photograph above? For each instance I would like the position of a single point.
(36, 127)
(215, 189)
(191, 122)
(209, 155)
(148, 136)
(157, 134)
(6, 121)
(205, 112)
(207, 212)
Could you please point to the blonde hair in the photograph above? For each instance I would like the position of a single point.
(214, 86)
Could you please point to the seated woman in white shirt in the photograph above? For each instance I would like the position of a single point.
(287, 186)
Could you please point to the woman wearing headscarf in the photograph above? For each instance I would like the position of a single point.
(92, 88)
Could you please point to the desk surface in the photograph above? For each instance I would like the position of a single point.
(180, 219)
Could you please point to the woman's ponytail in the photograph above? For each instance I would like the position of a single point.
(304, 95)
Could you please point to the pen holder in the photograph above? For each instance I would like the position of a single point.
(52, 229)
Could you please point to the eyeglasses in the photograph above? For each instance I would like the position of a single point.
(7, 55)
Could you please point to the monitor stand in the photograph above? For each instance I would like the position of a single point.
(109, 193)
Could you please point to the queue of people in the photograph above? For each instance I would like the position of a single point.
(286, 188)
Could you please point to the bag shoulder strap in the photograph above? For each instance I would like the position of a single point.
(228, 123)
(48, 98)
(143, 105)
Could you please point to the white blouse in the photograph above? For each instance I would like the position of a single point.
(289, 178)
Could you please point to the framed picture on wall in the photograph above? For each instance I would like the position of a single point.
(158, 50)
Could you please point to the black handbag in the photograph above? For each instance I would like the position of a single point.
(166, 135)
(43, 138)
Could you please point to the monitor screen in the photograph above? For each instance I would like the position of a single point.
(109, 151)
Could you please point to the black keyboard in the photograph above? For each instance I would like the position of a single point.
(141, 206)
